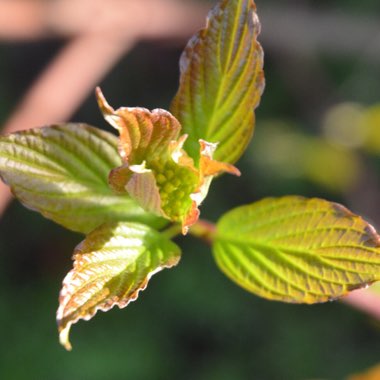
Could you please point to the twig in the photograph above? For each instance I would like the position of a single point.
(22, 19)
(33, 19)
(366, 301)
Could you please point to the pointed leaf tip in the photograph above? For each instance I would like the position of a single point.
(104, 107)
(299, 250)
(64, 337)
(111, 266)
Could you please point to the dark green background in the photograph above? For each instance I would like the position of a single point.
(191, 322)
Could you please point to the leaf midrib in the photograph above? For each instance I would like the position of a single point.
(224, 75)
(291, 250)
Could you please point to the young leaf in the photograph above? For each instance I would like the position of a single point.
(299, 250)
(221, 81)
(62, 172)
(157, 172)
(111, 266)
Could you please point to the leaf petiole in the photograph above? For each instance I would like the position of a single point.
(204, 230)
(172, 231)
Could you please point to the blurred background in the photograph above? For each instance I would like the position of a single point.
(317, 134)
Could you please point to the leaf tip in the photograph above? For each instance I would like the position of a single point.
(64, 333)
(102, 102)
(107, 111)
(371, 238)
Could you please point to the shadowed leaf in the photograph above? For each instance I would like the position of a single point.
(221, 81)
(298, 250)
(111, 266)
(62, 172)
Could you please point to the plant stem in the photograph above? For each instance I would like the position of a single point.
(172, 231)
(204, 230)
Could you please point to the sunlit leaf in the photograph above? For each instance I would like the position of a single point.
(111, 266)
(62, 172)
(299, 250)
(221, 80)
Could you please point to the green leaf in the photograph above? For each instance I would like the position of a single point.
(221, 81)
(111, 266)
(299, 250)
(62, 172)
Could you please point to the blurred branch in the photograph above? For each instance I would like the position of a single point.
(67, 80)
(299, 30)
(366, 301)
(21, 19)
(34, 19)
(95, 48)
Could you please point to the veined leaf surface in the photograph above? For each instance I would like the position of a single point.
(299, 250)
(62, 172)
(111, 266)
(221, 81)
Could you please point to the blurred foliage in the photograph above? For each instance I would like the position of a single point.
(287, 153)
(332, 160)
(193, 323)
(353, 126)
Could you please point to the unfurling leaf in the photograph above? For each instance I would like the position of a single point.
(298, 250)
(156, 170)
(221, 81)
(62, 172)
(111, 266)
